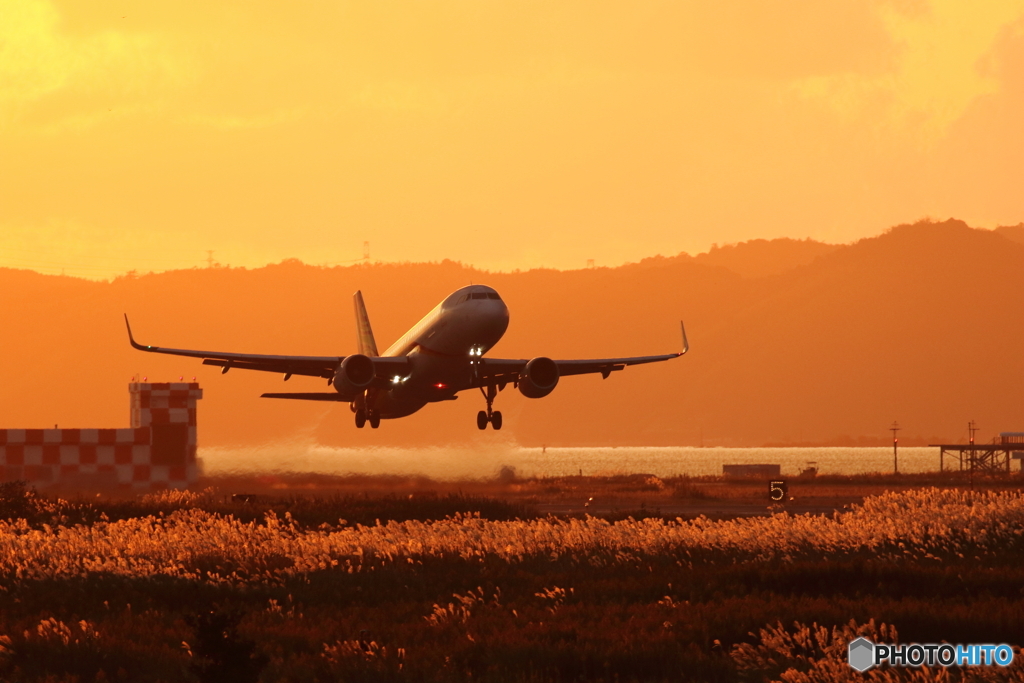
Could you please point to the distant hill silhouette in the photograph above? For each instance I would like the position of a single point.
(792, 341)
(755, 258)
(1012, 232)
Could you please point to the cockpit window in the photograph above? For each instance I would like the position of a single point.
(478, 295)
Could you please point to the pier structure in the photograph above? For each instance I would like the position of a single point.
(993, 458)
(157, 452)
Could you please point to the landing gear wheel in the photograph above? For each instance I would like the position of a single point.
(374, 419)
(485, 416)
(360, 418)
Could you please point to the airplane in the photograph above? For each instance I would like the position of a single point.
(440, 356)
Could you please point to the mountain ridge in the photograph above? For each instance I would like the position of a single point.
(840, 344)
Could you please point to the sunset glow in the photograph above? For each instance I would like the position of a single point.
(503, 135)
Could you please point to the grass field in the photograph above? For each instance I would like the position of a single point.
(403, 579)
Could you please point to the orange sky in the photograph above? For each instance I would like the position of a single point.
(502, 134)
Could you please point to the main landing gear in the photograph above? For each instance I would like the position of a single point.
(492, 416)
(363, 416)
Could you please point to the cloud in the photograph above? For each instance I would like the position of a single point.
(401, 97)
(944, 45)
(52, 80)
(32, 62)
(256, 121)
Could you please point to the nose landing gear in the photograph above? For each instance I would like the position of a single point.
(491, 416)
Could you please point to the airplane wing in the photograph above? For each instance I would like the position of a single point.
(311, 366)
(501, 371)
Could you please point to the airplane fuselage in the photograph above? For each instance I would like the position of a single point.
(442, 350)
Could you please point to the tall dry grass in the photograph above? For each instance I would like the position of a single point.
(467, 598)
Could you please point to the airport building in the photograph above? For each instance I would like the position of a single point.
(157, 452)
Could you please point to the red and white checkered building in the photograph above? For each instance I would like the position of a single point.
(157, 452)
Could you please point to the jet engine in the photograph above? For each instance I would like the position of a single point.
(538, 378)
(353, 376)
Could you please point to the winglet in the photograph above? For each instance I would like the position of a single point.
(686, 343)
(134, 343)
(367, 345)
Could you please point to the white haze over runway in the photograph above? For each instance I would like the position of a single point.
(485, 461)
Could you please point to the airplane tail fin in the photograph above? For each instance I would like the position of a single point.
(367, 345)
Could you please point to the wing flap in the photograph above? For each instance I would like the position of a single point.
(309, 396)
(607, 365)
(502, 370)
(310, 366)
(498, 370)
(285, 367)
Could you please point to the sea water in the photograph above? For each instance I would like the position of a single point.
(484, 461)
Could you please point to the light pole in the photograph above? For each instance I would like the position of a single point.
(971, 428)
(895, 428)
